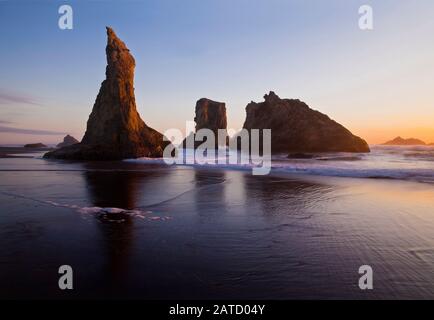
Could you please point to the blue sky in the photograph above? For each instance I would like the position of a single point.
(377, 83)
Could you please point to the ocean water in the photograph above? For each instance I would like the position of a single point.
(413, 163)
(142, 229)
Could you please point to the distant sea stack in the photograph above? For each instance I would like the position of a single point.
(209, 115)
(35, 145)
(398, 141)
(296, 128)
(115, 130)
(67, 141)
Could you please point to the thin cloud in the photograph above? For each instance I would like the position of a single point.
(17, 98)
(5, 122)
(31, 131)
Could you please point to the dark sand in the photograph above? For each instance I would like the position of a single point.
(221, 234)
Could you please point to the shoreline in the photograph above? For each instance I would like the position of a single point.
(381, 164)
(213, 224)
(8, 152)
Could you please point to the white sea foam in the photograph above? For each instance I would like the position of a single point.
(108, 213)
(414, 163)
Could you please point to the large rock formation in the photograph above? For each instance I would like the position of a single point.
(398, 141)
(115, 129)
(67, 141)
(297, 128)
(209, 115)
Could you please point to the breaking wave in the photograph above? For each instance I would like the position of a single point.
(414, 163)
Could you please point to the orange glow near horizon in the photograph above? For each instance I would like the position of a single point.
(378, 135)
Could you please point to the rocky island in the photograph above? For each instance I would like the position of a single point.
(398, 141)
(35, 145)
(296, 128)
(115, 130)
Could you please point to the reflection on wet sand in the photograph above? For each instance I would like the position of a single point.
(277, 195)
(118, 190)
(229, 234)
(121, 187)
(209, 191)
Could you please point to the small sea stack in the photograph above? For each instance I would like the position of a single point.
(210, 115)
(67, 141)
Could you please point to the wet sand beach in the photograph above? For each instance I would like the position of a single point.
(134, 230)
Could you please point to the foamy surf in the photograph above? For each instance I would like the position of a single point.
(413, 163)
(110, 214)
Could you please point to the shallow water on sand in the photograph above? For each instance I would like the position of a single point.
(409, 163)
(134, 230)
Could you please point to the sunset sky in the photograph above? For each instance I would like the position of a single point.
(379, 83)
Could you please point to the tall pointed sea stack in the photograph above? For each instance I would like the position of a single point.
(114, 129)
